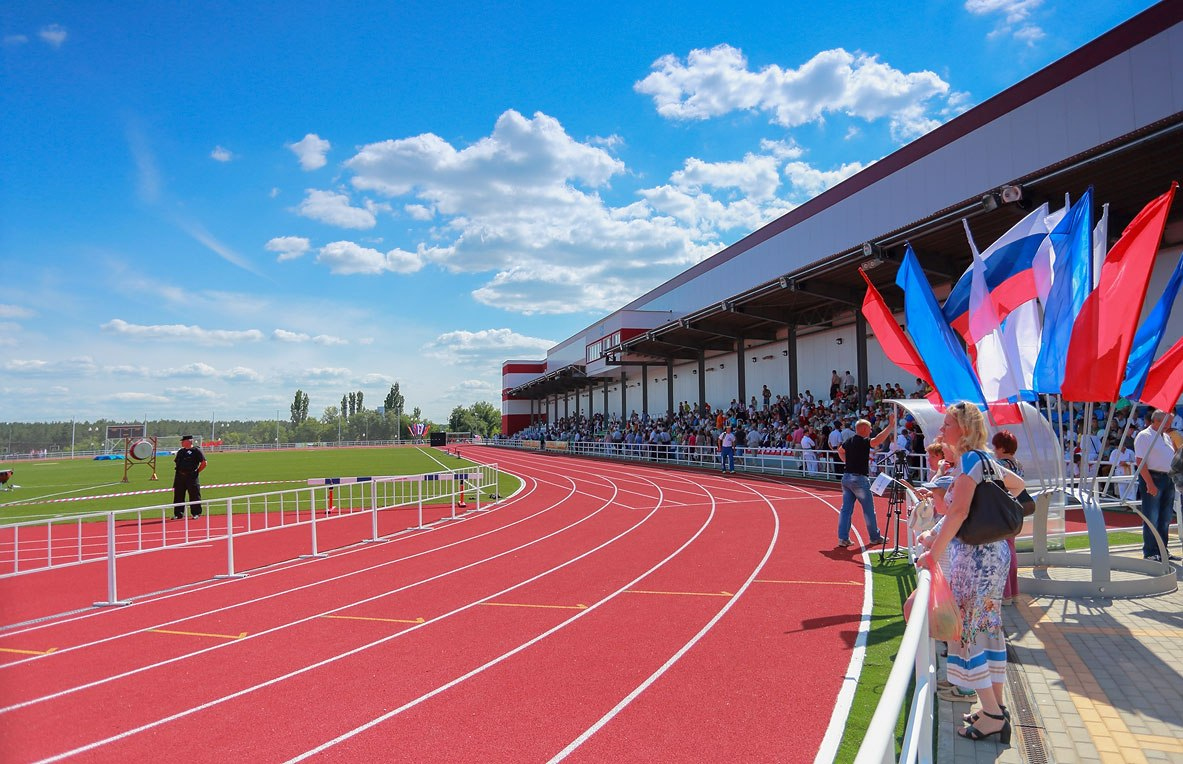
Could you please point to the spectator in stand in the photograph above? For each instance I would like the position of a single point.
(810, 456)
(835, 384)
(767, 397)
(848, 383)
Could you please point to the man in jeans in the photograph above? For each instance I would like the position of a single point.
(1153, 450)
(855, 452)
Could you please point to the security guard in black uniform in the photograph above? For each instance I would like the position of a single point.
(190, 462)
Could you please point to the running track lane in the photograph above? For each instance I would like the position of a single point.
(652, 618)
(184, 682)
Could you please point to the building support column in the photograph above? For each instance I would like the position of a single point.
(860, 352)
(742, 374)
(702, 379)
(794, 389)
(669, 381)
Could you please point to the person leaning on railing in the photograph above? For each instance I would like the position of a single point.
(977, 575)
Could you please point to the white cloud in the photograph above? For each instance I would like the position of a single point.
(716, 81)
(489, 345)
(288, 247)
(274, 192)
(346, 258)
(130, 397)
(311, 150)
(181, 331)
(221, 154)
(188, 371)
(810, 181)
(15, 39)
(1015, 15)
(198, 232)
(335, 209)
(54, 34)
(419, 211)
(81, 365)
(524, 205)
(283, 335)
(15, 311)
(191, 393)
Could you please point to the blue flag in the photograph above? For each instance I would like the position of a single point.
(1149, 336)
(1072, 280)
(935, 340)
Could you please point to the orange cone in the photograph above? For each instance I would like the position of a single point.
(460, 502)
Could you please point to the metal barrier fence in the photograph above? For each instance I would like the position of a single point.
(915, 664)
(818, 464)
(40, 545)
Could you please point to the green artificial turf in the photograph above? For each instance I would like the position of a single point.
(892, 582)
(282, 470)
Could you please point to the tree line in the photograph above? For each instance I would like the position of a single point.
(352, 421)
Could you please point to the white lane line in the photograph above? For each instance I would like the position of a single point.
(505, 656)
(304, 669)
(628, 699)
(280, 627)
(523, 494)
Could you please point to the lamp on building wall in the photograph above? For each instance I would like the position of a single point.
(990, 202)
(784, 352)
(838, 341)
(754, 359)
(720, 366)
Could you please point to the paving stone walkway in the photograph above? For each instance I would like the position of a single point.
(1091, 680)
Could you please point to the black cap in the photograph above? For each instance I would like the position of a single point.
(186, 437)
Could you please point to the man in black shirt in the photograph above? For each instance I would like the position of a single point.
(855, 452)
(190, 461)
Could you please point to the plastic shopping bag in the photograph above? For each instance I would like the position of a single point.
(944, 620)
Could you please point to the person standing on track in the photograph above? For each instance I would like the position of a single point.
(855, 452)
(190, 462)
(727, 450)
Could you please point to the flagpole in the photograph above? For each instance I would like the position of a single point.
(1104, 437)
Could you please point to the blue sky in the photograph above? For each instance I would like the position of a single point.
(206, 207)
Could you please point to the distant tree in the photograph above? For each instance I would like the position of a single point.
(352, 404)
(416, 415)
(299, 408)
(489, 417)
(360, 397)
(394, 399)
(344, 406)
(330, 415)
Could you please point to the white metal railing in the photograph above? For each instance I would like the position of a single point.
(38, 545)
(915, 661)
(818, 464)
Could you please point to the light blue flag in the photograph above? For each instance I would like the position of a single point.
(1072, 280)
(935, 340)
(1149, 336)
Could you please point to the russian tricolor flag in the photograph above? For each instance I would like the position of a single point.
(1009, 276)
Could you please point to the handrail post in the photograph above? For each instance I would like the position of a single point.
(230, 543)
(112, 584)
(373, 539)
(315, 554)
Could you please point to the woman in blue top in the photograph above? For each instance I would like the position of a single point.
(977, 575)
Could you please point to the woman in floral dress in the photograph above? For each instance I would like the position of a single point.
(977, 575)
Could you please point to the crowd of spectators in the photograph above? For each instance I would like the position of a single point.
(809, 428)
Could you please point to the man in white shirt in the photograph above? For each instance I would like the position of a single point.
(1153, 449)
(807, 446)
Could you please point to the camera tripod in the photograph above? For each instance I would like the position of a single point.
(895, 507)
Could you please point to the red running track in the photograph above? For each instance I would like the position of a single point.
(606, 613)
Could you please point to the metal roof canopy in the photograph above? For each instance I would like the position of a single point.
(1125, 173)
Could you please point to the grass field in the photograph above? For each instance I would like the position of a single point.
(42, 482)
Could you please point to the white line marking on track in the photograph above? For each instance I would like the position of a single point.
(628, 699)
(304, 669)
(479, 669)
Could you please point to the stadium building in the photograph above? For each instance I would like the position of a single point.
(780, 307)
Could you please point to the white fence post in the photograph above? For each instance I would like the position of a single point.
(312, 502)
(373, 539)
(230, 543)
(112, 586)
